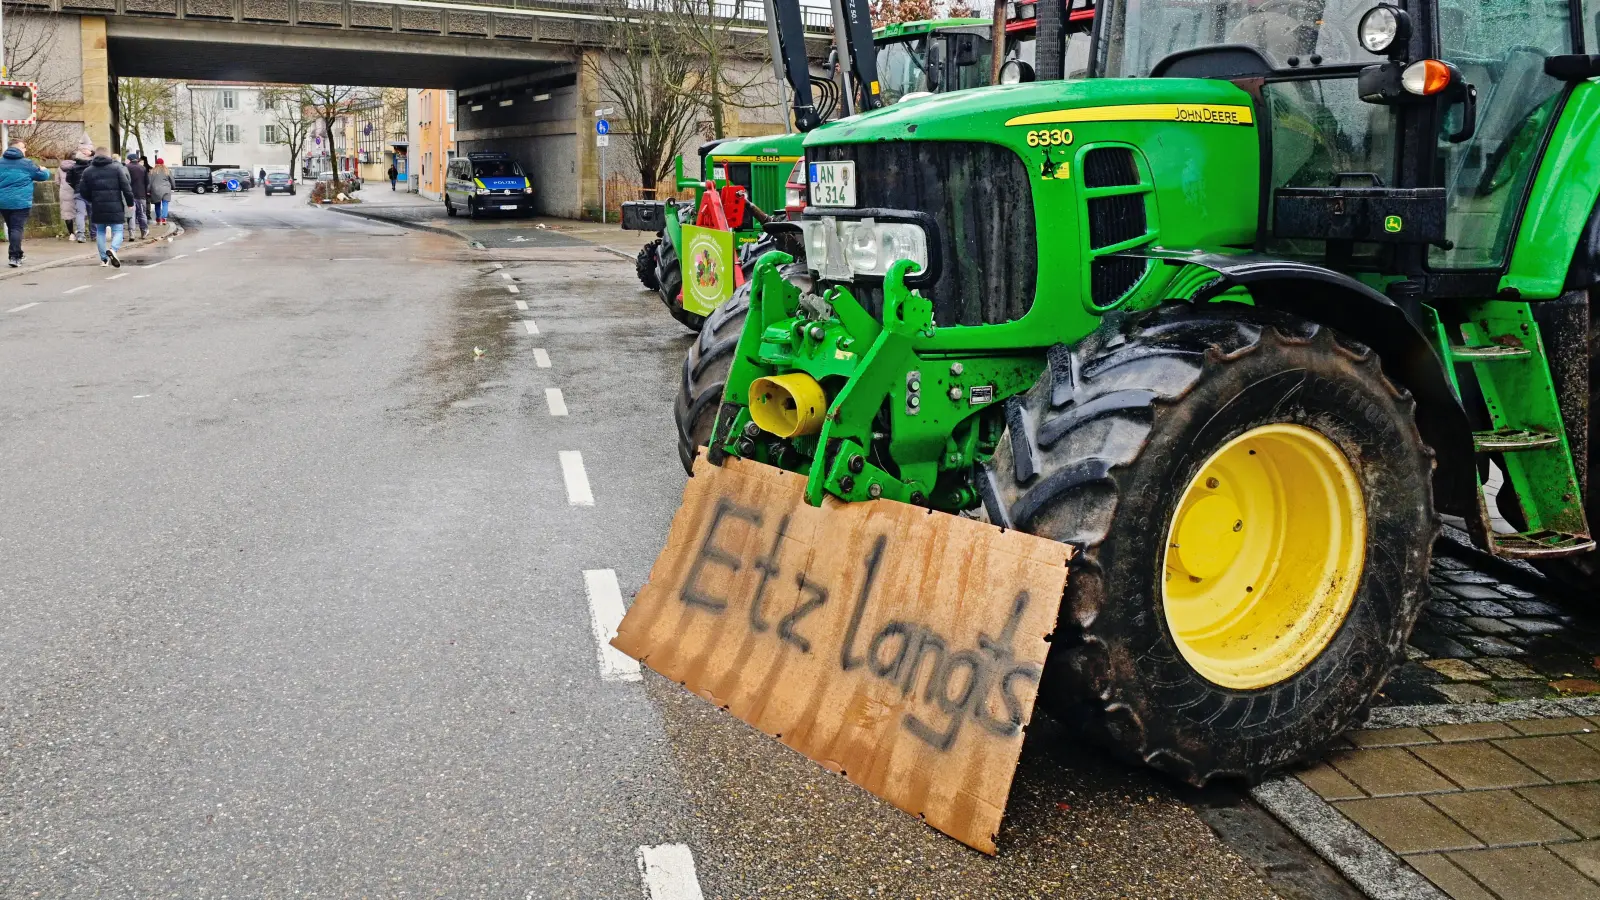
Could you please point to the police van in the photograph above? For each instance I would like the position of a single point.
(482, 183)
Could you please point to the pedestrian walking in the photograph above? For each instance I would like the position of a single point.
(66, 197)
(106, 188)
(261, 177)
(139, 179)
(393, 175)
(80, 207)
(17, 175)
(161, 190)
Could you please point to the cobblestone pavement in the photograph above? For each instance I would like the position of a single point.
(1489, 788)
(1482, 640)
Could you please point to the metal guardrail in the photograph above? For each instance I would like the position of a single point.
(814, 18)
(817, 20)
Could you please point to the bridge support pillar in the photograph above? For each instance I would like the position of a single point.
(97, 88)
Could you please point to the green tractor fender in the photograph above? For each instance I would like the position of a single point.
(1562, 198)
(1362, 313)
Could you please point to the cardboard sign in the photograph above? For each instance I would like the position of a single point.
(707, 268)
(899, 647)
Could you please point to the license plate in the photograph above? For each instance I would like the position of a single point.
(833, 184)
(508, 206)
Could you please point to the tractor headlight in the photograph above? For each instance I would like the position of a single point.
(841, 248)
(1384, 28)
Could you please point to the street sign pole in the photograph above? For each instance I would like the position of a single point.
(602, 139)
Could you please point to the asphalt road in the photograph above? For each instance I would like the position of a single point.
(293, 603)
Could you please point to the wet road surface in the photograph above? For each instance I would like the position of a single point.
(304, 522)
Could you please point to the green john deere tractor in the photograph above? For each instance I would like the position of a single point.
(1239, 316)
(911, 59)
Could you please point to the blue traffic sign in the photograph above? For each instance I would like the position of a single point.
(602, 127)
(233, 185)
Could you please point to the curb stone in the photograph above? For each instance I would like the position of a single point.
(1357, 855)
(401, 223)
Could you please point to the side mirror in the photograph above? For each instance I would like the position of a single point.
(1015, 71)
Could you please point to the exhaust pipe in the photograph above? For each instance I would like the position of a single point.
(788, 405)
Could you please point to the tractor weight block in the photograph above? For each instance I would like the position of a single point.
(644, 215)
(899, 647)
(788, 405)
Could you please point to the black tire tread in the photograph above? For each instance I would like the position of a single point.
(1106, 393)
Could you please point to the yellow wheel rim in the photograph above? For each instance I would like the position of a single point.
(1263, 556)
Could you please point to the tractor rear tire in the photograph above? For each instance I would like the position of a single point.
(644, 265)
(669, 281)
(705, 375)
(1103, 453)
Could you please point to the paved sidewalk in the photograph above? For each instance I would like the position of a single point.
(47, 253)
(1484, 810)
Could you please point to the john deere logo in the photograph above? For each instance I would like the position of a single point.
(1392, 224)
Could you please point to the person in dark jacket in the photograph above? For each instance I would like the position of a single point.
(17, 175)
(393, 174)
(106, 188)
(139, 179)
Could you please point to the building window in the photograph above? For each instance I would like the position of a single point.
(228, 134)
(449, 106)
(230, 99)
(270, 135)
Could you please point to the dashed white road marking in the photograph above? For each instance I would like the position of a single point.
(540, 358)
(154, 264)
(522, 305)
(36, 303)
(668, 872)
(499, 265)
(179, 256)
(557, 403)
(531, 326)
(506, 275)
(605, 614)
(202, 249)
(578, 493)
(119, 275)
(513, 289)
(81, 287)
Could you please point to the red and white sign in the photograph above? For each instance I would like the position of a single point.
(19, 103)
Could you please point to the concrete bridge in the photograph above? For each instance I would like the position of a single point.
(487, 52)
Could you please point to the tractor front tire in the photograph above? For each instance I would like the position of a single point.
(1252, 506)
(644, 265)
(705, 375)
(669, 281)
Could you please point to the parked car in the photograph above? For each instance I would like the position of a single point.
(349, 180)
(487, 182)
(245, 179)
(192, 178)
(279, 183)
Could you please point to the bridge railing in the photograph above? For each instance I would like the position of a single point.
(815, 18)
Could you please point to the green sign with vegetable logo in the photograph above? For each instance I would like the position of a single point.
(707, 268)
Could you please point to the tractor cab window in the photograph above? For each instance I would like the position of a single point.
(1025, 45)
(1499, 46)
(903, 68)
(1140, 33)
(971, 57)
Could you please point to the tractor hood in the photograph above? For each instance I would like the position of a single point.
(990, 113)
(770, 148)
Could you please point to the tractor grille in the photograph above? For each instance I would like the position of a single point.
(766, 184)
(1109, 167)
(1112, 220)
(980, 197)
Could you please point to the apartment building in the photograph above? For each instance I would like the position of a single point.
(432, 139)
(229, 123)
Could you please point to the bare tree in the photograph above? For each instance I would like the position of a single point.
(291, 114)
(30, 40)
(207, 117)
(328, 103)
(142, 104)
(650, 75)
(717, 33)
